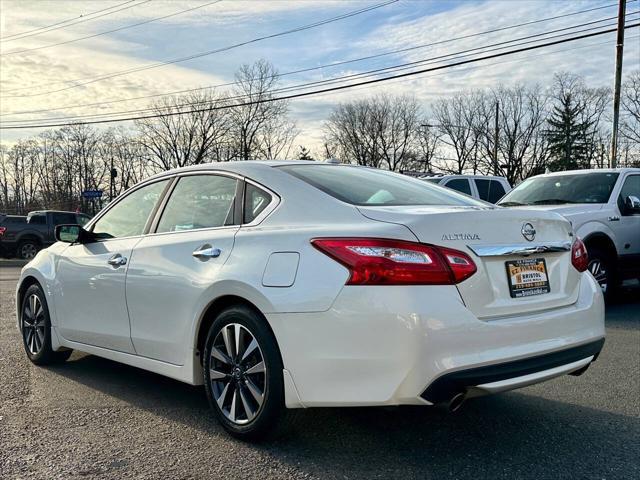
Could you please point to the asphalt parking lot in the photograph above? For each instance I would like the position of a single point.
(93, 418)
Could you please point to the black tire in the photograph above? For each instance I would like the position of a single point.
(603, 268)
(28, 249)
(269, 416)
(36, 335)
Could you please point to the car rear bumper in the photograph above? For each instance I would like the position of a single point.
(412, 345)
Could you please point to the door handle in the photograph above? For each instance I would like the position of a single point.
(117, 260)
(205, 252)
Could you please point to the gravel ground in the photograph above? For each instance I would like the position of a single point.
(93, 418)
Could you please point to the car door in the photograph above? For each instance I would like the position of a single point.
(628, 228)
(90, 279)
(174, 269)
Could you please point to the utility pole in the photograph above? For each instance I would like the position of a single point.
(495, 140)
(622, 4)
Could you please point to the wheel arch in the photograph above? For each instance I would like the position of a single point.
(26, 282)
(211, 312)
(603, 242)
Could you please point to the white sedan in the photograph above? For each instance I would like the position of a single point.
(285, 285)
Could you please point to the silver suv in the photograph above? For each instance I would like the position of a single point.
(485, 187)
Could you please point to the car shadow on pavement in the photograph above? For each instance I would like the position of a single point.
(514, 435)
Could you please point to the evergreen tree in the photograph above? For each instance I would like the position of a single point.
(570, 127)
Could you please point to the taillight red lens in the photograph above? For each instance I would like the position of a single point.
(377, 261)
(579, 256)
(2, 230)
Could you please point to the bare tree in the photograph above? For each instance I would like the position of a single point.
(377, 131)
(630, 124)
(256, 112)
(186, 131)
(458, 121)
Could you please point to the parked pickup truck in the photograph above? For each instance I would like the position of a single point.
(604, 208)
(25, 236)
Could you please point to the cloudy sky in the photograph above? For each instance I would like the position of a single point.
(35, 74)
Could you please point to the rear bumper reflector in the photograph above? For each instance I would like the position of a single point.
(444, 387)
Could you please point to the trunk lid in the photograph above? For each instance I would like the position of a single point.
(493, 237)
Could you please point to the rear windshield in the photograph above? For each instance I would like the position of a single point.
(371, 187)
(562, 189)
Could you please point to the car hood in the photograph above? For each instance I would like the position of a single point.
(564, 210)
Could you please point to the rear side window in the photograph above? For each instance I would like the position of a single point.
(460, 185)
(202, 201)
(372, 187)
(489, 190)
(255, 201)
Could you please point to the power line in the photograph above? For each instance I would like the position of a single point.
(13, 52)
(327, 90)
(207, 53)
(456, 55)
(304, 70)
(83, 19)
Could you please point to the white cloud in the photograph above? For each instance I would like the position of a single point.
(403, 25)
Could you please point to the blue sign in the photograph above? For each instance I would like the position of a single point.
(92, 194)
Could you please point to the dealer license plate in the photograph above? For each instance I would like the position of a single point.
(527, 277)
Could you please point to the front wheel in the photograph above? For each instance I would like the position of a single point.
(602, 268)
(35, 325)
(243, 374)
(28, 249)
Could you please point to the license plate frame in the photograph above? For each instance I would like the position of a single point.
(524, 288)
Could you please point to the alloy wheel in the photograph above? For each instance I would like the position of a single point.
(237, 373)
(33, 324)
(599, 272)
(28, 251)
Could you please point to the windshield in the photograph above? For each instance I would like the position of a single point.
(562, 189)
(372, 187)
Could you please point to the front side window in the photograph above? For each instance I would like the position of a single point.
(562, 189)
(255, 201)
(199, 201)
(64, 218)
(630, 188)
(37, 219)
(372, 187)
(128, 217)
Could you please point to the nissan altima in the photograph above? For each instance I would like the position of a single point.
(287, 285)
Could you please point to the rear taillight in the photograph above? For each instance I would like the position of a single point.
(376, 261)
(2, 230)
(579, 257)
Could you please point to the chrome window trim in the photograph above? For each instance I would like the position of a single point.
(521, 249)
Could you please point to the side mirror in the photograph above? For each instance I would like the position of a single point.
(632, 204)
(71, 234)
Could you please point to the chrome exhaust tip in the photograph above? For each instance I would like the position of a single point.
(456, 402)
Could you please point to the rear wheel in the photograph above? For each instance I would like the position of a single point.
(28, 249)
(35, 325)
(243, 374)
(602, 267)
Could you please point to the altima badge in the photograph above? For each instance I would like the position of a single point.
(528, 232)
(460, 236)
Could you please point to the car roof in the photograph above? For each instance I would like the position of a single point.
(590, 170)
(242, 167)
